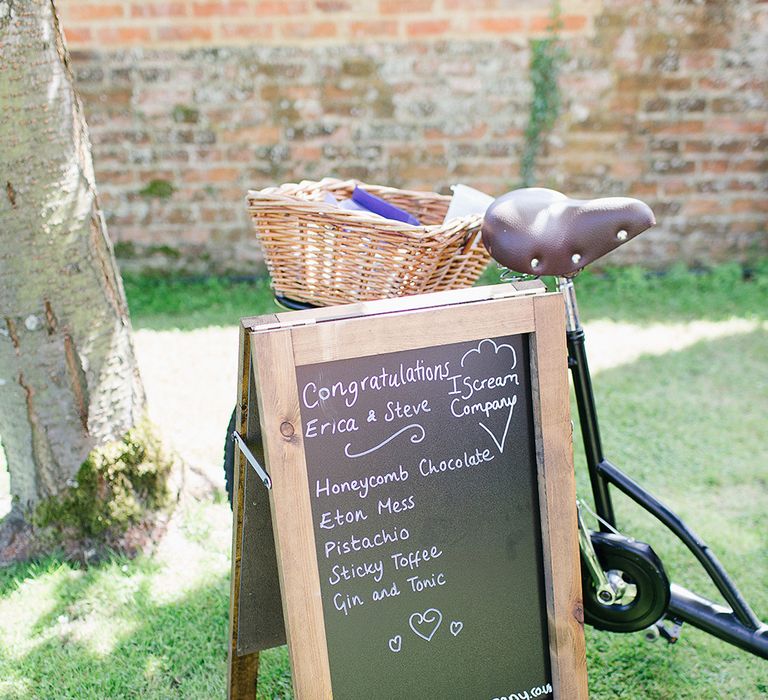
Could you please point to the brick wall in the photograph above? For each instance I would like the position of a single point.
(191, 103)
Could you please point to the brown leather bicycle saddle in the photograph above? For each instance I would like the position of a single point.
(542, 232)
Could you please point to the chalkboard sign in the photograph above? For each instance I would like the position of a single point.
(423, 483)
(423, 504)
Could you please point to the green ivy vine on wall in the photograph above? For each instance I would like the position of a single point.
(547, 57)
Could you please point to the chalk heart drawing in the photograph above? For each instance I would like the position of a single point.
(396, 643)
(487, 345)
(425, 624)
(456, 627)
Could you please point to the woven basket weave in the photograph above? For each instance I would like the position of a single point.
(324, 255)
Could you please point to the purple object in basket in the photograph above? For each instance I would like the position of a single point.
(382, 208)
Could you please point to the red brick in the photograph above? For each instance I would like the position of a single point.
(307, 151)
(397, 7)
(675, 186)
(159, 9)
(334, 5)
(247, 30)
(92, 12)
(185, 32)
(497, 25)
(678, 127)
(698, 60)
(265, 133)
(643, 189)
(123, 35)
(309, 30)
(726, 125)
(281, 7)
(700, 207)
(714, 166)
(568, 23)
(237, 8)
(428, 27)
(373, 28)
(630, 168)
(750, 166)
(471, 4)
(747, 206)
(222, 174)
(573, 23)
(77, 35)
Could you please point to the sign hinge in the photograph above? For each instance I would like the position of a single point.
(265, 478)
(279, 325)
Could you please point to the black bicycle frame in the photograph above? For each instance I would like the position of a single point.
(736, 624)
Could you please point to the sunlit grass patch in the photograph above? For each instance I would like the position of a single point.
(154, 627)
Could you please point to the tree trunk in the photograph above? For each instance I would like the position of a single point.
(69, 381)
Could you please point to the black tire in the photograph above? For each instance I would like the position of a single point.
(639, 566)
(229, 458)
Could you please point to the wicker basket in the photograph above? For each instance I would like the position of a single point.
(324, 255)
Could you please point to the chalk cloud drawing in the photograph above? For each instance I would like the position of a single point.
(425, 624)
(418, 436)
(496, 348)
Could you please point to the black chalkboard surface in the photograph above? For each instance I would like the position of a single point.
(423, 486)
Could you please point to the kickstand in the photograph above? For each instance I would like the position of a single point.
(672, 633)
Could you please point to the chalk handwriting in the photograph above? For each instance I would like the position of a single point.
(393, 507)
(538, 691)
(485, 407)
(473, 386)
(313, 395)
(339, 572)
(330, 520)
(389, 592)
(413, 560)
(315, 428)
(327, 487)
(419, 584)
(344, 603)
(472, 459)
(397, 410)
(358, 544)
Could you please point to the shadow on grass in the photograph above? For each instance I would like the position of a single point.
(174, 649)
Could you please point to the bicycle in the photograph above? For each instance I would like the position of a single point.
(538, 232)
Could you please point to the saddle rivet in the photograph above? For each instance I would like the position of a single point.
(535, 263)
(622, 235)
(575, 258)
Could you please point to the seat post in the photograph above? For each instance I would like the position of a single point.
(585, 402)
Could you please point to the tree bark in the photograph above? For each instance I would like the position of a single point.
(69, 380)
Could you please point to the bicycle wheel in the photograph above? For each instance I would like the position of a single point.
(229, 457)
(639, 577)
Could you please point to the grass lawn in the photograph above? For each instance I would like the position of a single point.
(687, 418)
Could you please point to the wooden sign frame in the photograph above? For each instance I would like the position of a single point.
(271, 347)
